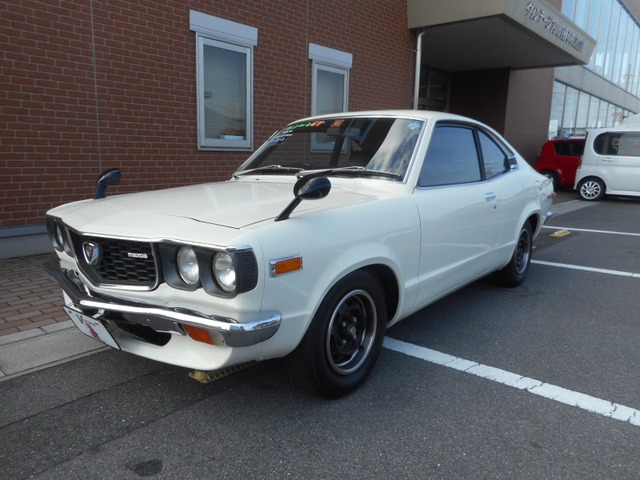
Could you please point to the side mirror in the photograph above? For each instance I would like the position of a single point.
(306, 188)
(108, 177)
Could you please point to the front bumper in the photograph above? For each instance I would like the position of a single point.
(160, 319)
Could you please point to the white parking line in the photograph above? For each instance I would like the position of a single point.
(536, 387)
(593, 231)
(587, 269)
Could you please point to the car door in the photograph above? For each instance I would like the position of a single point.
(619, 163)
(460, 229)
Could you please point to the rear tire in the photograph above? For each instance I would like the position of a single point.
(591, 189)
(344, 339)
(514, 273)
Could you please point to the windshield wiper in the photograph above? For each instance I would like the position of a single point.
(268, 169)
(356, 171)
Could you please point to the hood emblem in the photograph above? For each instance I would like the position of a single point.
(92, 253)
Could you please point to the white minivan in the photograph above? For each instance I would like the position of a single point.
(610, 164)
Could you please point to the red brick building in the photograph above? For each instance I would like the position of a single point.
(176, 93)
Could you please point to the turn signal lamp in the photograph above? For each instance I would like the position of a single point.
(203, 335)
(198, 334)
(285, 265)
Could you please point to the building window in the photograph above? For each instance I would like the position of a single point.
(330, 84)
(573, 112)
(224, 58)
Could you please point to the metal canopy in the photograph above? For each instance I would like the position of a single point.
(461, 35)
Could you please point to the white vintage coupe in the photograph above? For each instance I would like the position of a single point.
(333, 230)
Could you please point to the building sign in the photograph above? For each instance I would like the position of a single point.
(554, 26)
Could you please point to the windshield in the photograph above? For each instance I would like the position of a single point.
(374, 144)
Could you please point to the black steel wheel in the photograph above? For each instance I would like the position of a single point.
(344, 339)
(514, 273)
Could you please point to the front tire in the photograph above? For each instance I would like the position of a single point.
(514, 273)
(344, 339)
(591, 189)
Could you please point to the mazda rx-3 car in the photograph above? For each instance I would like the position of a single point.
(336, 228)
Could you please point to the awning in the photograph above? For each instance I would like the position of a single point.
(462, 35)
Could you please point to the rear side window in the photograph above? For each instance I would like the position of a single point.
(618, 143)
(494, 158)
(572, 148)
(452, 157)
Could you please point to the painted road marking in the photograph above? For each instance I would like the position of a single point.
(593, 231)
(587, 269)
(531, 385)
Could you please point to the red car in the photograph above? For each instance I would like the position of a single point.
(559, 160)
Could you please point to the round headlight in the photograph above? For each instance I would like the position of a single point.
(188, 265)
(224, 271)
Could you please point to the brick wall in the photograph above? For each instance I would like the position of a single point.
(88, 85)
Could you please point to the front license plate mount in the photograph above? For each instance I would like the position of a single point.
(91, 327)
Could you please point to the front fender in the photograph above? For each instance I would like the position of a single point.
(333, 244)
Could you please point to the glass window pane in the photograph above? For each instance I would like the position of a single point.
(225, 102)
(569, 8)
(594, 105)
(581, 117)
(329, 91)
(620, 47)
(632, 84)
(451, 158)
(495, 160)
(570, 110)
(557, 107)
(612, 41)
(594, 18)
(603, 114)
(581, 14)
(599, 54)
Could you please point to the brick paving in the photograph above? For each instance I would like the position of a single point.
(29, 298)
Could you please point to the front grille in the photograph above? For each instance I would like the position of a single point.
(121, 262)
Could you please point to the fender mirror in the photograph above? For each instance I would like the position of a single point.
(307, 188)
(108, 177)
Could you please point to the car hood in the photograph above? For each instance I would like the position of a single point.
(233, 204)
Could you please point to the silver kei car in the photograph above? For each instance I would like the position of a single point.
(336, 228)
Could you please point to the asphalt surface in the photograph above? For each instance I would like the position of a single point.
(96, 413)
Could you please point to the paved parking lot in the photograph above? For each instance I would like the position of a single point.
(534, 382)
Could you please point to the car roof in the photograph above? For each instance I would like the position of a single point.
(417, 114)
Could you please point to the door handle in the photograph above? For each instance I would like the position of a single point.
(490, 196)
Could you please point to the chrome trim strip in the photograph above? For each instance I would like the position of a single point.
(235, 334)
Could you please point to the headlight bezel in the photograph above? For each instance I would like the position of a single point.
(58, 235)
(243, 260)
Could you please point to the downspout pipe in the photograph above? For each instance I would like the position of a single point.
(416, 81)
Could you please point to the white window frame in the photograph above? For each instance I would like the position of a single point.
(334, 61)
(221, 33)
(331, 60)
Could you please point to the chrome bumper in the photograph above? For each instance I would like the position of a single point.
(161, 319)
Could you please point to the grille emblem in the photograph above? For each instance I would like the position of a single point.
(137, 255)
(92, 253)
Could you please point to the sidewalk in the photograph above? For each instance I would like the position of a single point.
(35, 332)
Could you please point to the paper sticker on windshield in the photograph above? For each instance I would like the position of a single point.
(414, 126)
